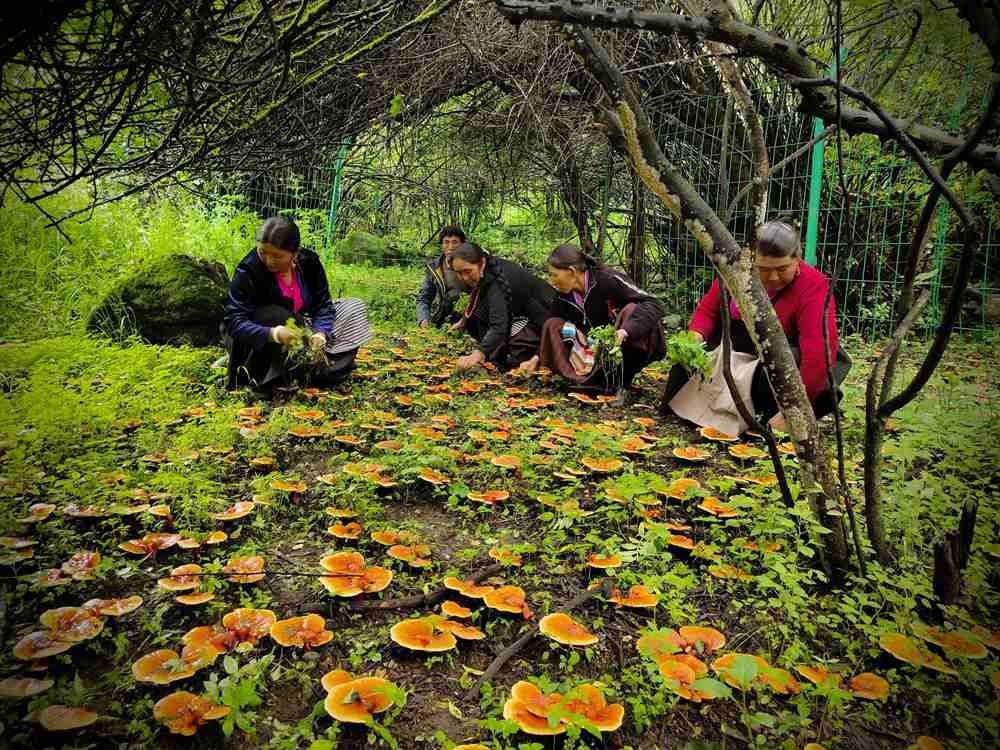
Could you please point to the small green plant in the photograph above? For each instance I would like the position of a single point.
(239, 690)
(686, 349)
(300, 351)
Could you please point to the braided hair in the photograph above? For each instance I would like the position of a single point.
(470, 252)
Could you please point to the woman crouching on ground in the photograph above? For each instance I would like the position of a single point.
(507, 307)
(797, 292)
(275, 282)
(591, 295)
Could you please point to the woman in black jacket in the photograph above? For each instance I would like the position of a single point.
(507, 307)
(276, 282)
(591, 295)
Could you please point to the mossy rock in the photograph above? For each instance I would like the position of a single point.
(362, 247)
(173, 300)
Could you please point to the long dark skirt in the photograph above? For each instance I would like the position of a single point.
(636, 354)
(266, 368)
(764, 403)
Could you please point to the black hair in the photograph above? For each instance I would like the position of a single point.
(469, 252)
(779, 238)
(281, 232)
(570, 256)
(451, 231)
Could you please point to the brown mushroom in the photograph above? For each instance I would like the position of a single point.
(57, 718)
(23, 687)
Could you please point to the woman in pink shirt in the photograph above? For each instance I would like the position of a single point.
(797, 292)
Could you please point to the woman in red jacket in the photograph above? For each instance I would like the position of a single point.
(797, 292)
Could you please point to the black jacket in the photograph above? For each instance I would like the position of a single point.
(530, 297)
(254, 286)
(607, 293)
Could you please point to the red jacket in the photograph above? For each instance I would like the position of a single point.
(800, 309)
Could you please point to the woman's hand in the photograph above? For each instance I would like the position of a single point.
(777, 422)
(620, 335)
(698, 336)
(458, 325)
(528, 367)
(470, 360)
(282, 335)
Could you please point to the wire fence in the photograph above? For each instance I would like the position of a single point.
(865, 255)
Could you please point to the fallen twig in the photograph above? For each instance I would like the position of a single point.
(406, 602)
(532, 630)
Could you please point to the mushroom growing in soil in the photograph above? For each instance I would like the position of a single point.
(638, 596)
(182, 578)
(150, 544)
(467, 588)
(233, 512)
(162, 667)
(562, 628)
(307, 632)
(80, 567)
(412, 554)
(508, 599)
(39, 645)
(57, 718)
(356, 701)
(248, 625)
(460, 630)
(23, 687)
(184, 713)
(418, 635)
(71, 624)
(248, 569)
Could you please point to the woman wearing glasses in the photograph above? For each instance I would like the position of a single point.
(276, 282)
(797, 292)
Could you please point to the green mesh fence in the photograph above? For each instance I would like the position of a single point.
(865, 255)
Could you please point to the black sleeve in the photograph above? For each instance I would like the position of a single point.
(647, 313)
(499, 326)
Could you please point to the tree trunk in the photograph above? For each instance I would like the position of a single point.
(637, 234)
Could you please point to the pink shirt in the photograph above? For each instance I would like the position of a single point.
(291, 290)
(800, 311)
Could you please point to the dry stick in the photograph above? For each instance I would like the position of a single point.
(504, 656)
(406, 602)
(742, 408)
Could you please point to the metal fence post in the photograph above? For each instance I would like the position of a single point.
(331, 221)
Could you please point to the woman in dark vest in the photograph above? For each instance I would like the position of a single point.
(797, 292)
(278, 281)
(507, 308)
(591, 295)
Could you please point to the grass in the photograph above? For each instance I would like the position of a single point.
(86, 422)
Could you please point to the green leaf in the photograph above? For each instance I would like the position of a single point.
(321, 745)
(230, 665)
(396, 106)
(743, 670)
(712, 687)
(765, 720)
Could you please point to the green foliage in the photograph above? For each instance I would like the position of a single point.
(686, 349)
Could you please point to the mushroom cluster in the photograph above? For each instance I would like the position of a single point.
(548, 714)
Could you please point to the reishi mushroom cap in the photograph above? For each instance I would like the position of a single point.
(72, 624)
(182, 578)
(307, 631)
(870, 686)
(460, 630)
(335, 677)
(39, 645)
(454, 609)
(357, 700)
(638, 596)
(418, 635)
(161, 667)
(562, 628)
(467, 588)
(23, 687)
(529, 723)
(183, 712)
(58, 718)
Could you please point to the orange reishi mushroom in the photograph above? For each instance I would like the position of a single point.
(505, 556)
(150, 544)
(460, 630)
(182, 578)
(508, 599)
(611, 561)
(490, 497)
(433, 477)
(23, 687)
(248, 625)
(418, 635)
(870, 686)
(357, 700)
(184, 713)
(58, 718)
(307, 631)
(467, 588)
(191, 600)
(819, 676)
(528, 722)
(350, 530)
(638, 596)
(71, 624)
(38, 645)
(962, 643)
(248, 569)
(602, 465)
(161, 667)
(710, 433)
(80, 566)
(587, 701)
(454, 609)
(233, 512)
(335, 677)
(562, 628)
(709, 638)
(690, 453)
(906, 649)
(506, 462)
